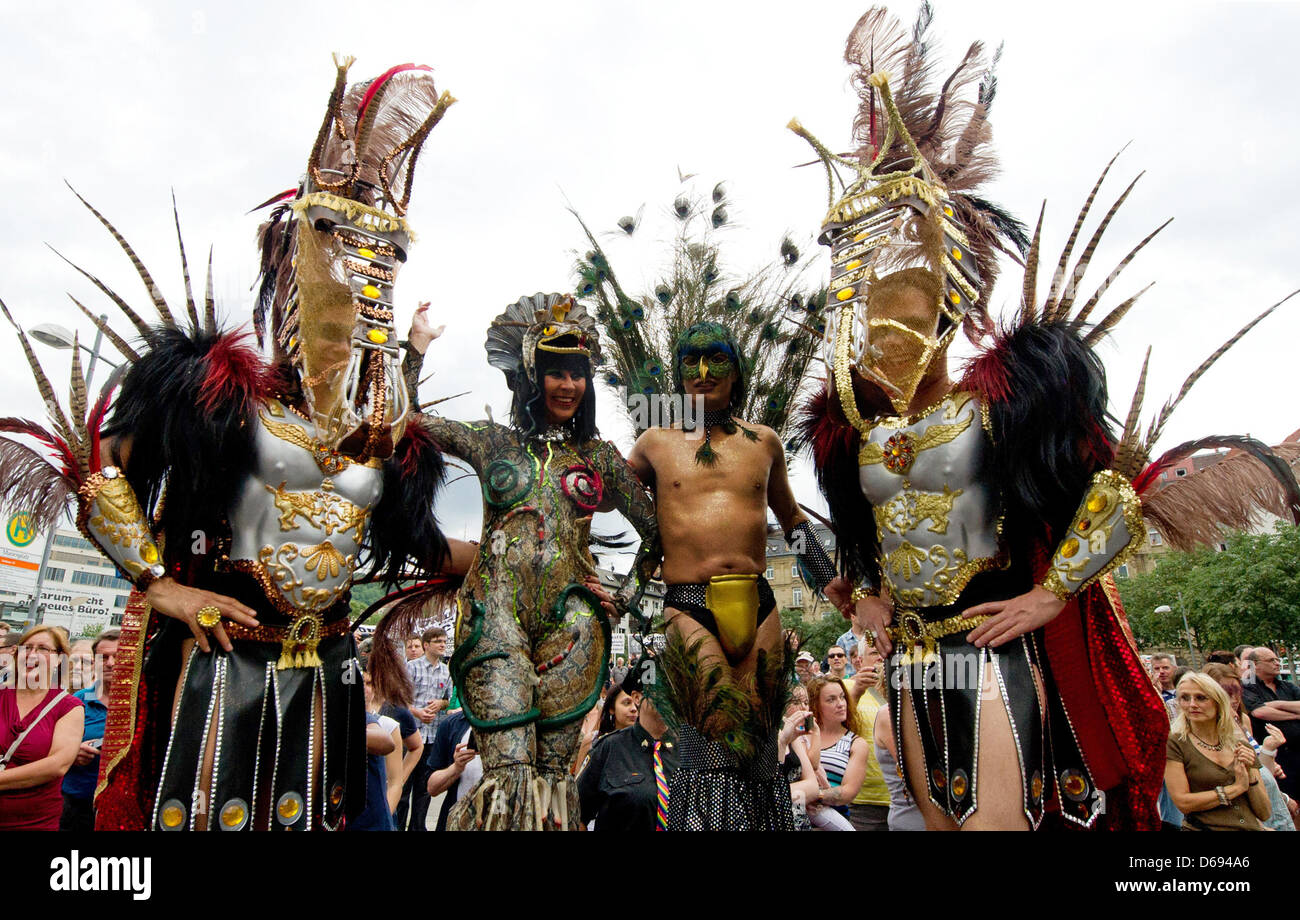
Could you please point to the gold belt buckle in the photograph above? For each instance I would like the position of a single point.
(913, 631)
(733, 601)
(298, 648)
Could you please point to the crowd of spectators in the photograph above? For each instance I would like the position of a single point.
(1232, 758)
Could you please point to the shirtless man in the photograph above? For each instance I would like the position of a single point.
(713, 485)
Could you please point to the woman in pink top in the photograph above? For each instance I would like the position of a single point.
(31, 774)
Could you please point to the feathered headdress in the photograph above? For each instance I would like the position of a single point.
(359, 178)
(921, 155)
(777, 321)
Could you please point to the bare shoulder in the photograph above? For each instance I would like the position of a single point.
(768, 438)
(647, 442)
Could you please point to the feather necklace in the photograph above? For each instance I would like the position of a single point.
(720, 418)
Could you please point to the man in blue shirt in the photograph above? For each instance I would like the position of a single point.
(80, 780)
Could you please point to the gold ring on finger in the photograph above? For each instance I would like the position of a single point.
(209, 616)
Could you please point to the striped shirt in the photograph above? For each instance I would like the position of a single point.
(835, 761)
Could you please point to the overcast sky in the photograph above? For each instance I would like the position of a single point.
(598, 104)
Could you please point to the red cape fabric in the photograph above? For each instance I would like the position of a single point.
(127, 777)
(1117, 714)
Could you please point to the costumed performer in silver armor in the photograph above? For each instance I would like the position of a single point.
(979, 520)
(239, 496)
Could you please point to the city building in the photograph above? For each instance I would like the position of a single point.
(792, 592)
(81, 592)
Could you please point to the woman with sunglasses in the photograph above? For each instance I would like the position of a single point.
(1211, 771)
(40, 733)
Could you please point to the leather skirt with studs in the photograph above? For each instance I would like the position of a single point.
(951, 686)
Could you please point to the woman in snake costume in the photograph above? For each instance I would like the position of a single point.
(533, 625)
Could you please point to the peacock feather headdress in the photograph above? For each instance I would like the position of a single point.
(775, 319)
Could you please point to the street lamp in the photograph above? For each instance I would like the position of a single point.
(56, 336)
(1187, 630)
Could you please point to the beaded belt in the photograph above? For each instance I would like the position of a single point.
(911, 630)
(298, 641)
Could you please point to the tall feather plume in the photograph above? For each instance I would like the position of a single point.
(155, 292)
(57, 418)
(77, 404)
(1113, 317)
(1129, 456)
(136, 320)
(209, 302)
(1157, 426)
(1067, 296)
(1088, 307)
(1058, 277)
(185, 268)
(1029, 293)
(1231, 494)
(123, 348)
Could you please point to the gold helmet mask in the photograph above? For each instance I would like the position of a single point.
(333, 309)
(901, 265)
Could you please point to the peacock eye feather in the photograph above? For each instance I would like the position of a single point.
(719, 216)
(719, 193)
(682, 207)
(663, 293)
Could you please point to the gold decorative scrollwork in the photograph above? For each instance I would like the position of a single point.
(873, 452)
(324, 510)
(905, 512)
(275, 571)
(953, 571)
(906, 560)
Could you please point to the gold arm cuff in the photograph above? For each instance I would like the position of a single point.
(110, 516)
(1054, 584)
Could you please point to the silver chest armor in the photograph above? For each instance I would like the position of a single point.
(937, 519)
(299, 521)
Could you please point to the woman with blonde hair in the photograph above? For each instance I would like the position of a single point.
(1281, 807)
(40, 733)
(1211, 771)
(843, 750)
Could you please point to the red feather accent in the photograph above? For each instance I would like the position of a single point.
(416, 443)
(235, 373)
(826, 435)
(380, 81)
(95, 421)
(278, 196)
(55, 443)
(985, 375)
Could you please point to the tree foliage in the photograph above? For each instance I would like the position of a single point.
(815, 636)
(1247, 594)
(363, 596)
